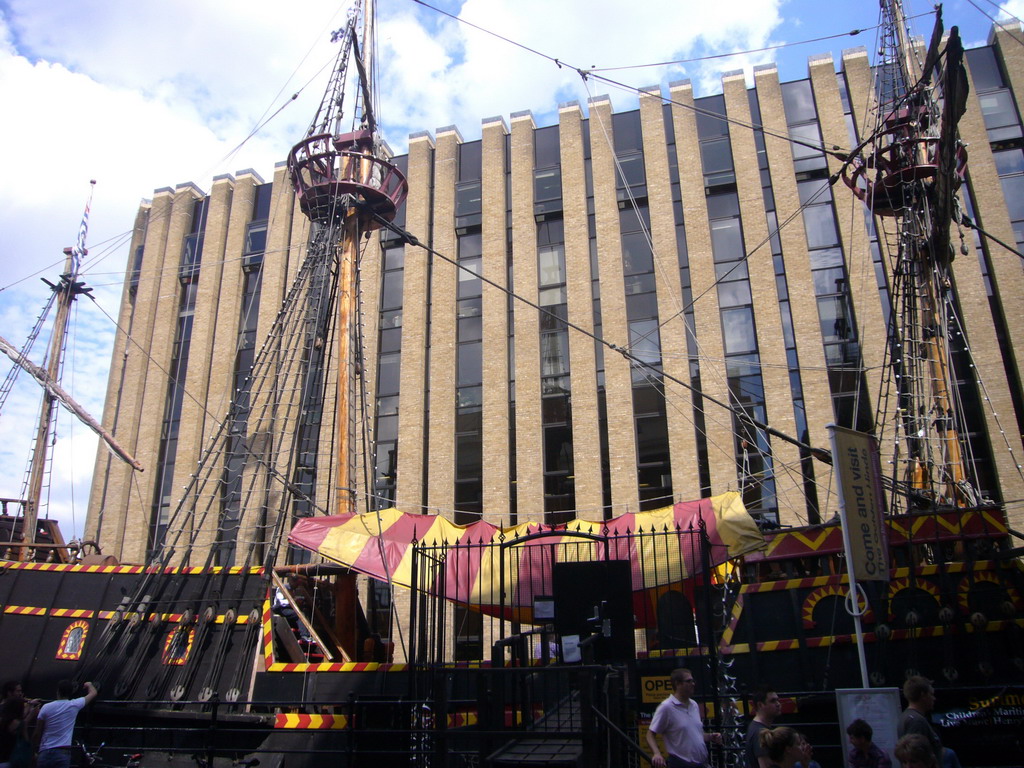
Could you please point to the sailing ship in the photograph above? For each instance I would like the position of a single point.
(246, 632)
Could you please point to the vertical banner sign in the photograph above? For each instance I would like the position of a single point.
(855, 457)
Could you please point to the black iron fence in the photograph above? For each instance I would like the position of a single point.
(517, 600)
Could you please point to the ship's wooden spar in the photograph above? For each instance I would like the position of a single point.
(61, 395)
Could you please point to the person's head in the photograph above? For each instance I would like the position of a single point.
(915, 751)
(767, 705)
(920, 693)
(782, 745)
(66, 689)
(682, 682)
(13, 690)
(860, 734)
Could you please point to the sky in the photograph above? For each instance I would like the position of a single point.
(141, 95)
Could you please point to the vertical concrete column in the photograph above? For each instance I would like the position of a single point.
(771, 345)
(1009, 43)
(371, 269)
(267, 428)
(707, 318)
(196, 404)
(412, 407)
(674, 360)
(497, 465)
(221, 354)
(615, 326)
(1007, 281)
(586, 424)
(105, 518)
(444, 284)
(529, 433)
(161, 350)
(803, 308)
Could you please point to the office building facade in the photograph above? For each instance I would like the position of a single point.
(670, 261)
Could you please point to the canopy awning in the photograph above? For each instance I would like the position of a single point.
(661, 544)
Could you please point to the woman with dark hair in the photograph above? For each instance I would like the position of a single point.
(783, 746)
(15, 748)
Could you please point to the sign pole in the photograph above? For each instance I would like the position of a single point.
(855, 458)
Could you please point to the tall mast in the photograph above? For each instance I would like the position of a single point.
(907, 176)
(68, 289)
(346, 185)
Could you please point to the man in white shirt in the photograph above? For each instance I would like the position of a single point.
(56, 723)
(677, 720)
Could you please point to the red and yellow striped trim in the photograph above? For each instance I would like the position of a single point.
(78, 613)
(311, 722)
(188, 570)
(24, 610)
(333, 666)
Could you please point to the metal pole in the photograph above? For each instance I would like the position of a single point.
(854, 593)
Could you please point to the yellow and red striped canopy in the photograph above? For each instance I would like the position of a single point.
(661, 545)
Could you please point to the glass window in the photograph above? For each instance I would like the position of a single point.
(468, 199)
(632, 168)
(545, 146)
(468, 457)
(391, 292)
(470, 160)
(626, 131)
(641, 305)
(640, 283)
(724, 205)
(554, 353)
(387, 428)
(726, 240)
(820, 225)
(835, 320)
(1013, 191)
(998, 109)
(551, 264)
(814, 192)
(645, 341)
(708, 125)
(394, 258)
(558, 449)
(826, 257)
(469, 278)
(388, 374)
(390, 340)
(256, 237)
(985, 70)
(651, 439)
(731, 270)
(798, 101)
(470, 397)
(716, 156)
(1009, 161)
(471, 328)
(734, 294)
(738, 331)
(550, 296)
(808, 133)
(828, 281)
(636, 254)
(470, 364)
(547, 184)
(635, 219)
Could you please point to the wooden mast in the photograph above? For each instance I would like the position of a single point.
(67, 290)
(344, 183)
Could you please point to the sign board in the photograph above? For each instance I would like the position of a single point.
(878, 707)
(855, 457)
(653, 690)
